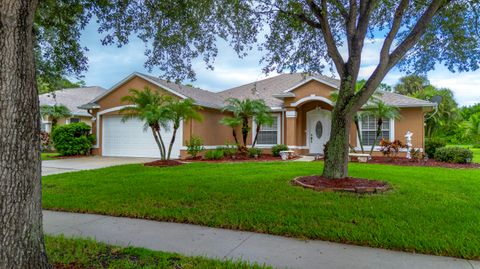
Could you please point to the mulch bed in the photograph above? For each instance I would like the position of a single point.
(349, 184)
(240, 158)
(430, 162)
(164, 163)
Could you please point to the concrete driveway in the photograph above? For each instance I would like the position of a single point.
(86, 163)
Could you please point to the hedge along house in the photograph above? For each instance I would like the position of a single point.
(300, 104)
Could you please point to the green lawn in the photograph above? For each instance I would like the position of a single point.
(81, 253)
(430, 210)
(49, 156)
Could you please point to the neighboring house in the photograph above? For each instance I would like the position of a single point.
(71, 98)
(301, 105)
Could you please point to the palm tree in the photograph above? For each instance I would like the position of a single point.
(262, 117)
(381, 111)
(243, 111)
(232, 123)
(178, 111)
(55, 112)
(152, 108)
(474, 127)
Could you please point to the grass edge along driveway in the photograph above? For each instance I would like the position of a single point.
(431, 210)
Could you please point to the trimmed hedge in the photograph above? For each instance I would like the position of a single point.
(454, 155)
(72, 139)
(277, 148)
(432, 144)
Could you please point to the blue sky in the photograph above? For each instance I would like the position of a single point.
(110, 64)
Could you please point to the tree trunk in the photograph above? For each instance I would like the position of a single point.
(336, 155)
(175, 129)
(359, 134)
(21, 232)
(245, 132)
(157, 140)
(235, 136)
(256, 135)
(379, 133)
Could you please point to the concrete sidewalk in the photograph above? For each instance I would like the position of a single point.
(277, 251)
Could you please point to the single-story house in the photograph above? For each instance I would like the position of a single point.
(72, 98)
(301, 105)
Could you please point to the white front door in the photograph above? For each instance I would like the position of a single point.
(318, 130)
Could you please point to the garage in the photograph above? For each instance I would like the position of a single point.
(130, 139)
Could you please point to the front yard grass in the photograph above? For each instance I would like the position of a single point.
(83, 253)
(47, 156)
(430, 210)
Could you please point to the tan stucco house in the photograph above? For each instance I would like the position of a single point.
(72, 98)
(300, 103)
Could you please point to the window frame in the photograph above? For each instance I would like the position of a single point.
(279, 134)
(70, 120)
(369, 147)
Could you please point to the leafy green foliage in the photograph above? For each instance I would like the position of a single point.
(411, 84)
(243, 111)
(55, 112)
(53, 84)
(454, 155)
(215, 154)
(277, 148)
(432, 144)
(194, 146)
(254, 152)
(72, 139)
(86, 253)
(230, 150)
(257, 196)
(381, 111)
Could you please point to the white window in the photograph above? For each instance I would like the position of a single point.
(368, 127)
(269, 134)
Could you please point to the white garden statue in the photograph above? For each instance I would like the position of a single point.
(408, 137)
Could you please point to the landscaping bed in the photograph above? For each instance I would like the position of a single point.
(164, 163)
(358, 185)
(66, 253)
(240, 158)
(430, 162)
(430, 210)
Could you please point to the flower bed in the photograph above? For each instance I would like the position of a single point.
(429, 162)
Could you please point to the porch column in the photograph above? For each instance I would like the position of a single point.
(291, 127)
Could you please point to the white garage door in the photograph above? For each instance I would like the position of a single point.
(131, 140)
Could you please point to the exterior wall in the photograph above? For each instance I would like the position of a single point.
(63, 121)
(308, 89)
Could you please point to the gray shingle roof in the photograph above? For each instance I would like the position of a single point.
(263, 89)
(201, 97)
(72, 98)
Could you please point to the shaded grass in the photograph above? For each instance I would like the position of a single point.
(430, 210)
(46, 156)
(84, 253)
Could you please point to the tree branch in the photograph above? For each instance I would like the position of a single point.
(387, 62)
(332, 49)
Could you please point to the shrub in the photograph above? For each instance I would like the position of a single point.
(277, 148)
(476, 146)
(194, 146)
(432, 144)
(453, 155)
(254, 152)
(216, 154)
(230, 150)
(391, 149)
(72, 139)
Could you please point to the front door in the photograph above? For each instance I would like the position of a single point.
(318, 130)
